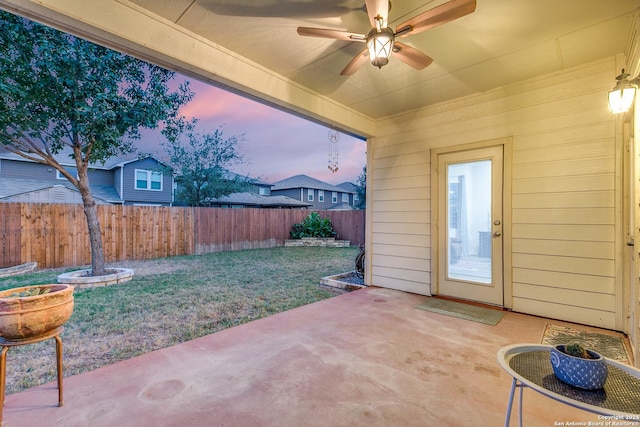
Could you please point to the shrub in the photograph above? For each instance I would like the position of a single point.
(313, 226)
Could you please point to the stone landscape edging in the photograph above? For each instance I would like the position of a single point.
(335, 282)
(82, 278)
(18, 269)
(318, 241)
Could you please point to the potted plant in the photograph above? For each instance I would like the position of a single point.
(579, 367)
(32, 311)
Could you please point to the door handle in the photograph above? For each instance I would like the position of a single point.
(497, 234)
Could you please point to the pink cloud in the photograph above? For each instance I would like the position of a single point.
(277, 144)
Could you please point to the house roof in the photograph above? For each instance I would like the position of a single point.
(10, 187)
(305, 181)
(253, 199)
(64, 159)
(349, 186)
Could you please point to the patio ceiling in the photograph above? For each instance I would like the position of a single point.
(252, 47)
(503, 41)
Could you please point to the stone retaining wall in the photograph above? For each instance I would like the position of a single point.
(18, 269)
(318, 241)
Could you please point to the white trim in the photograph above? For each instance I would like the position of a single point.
(121, 181)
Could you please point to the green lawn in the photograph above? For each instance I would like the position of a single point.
(173, 300)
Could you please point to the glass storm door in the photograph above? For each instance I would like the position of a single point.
(470, 225)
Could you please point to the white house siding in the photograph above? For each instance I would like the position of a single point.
(566, 192)
(400, 252)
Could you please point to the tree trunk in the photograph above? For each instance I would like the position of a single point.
(93, 225)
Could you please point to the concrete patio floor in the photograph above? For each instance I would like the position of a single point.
(367, 358)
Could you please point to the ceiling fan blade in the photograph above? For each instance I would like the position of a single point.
(411, 56)
(331, 34)
(439, 15)
(378, 8)
(356, 63)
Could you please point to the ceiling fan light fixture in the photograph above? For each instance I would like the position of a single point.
(380, 40)
(380, 45)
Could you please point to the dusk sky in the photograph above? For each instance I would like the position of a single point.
(277, 144)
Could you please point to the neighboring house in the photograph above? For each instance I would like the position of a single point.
(257, 196)
(319, 194)
(139, 181)
(254, 200)
(353, 189)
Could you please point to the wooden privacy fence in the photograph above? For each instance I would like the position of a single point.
(55, 235)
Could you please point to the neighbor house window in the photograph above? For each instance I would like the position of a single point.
(73, 171)
(148, 180)
(310, 195)
(263, 191)
(334, 197)
(321, 195)
(345, 197)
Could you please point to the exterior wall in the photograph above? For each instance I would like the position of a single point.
(101, 176)
(133, 196)
(27, 170)
(117, 180)
(294, 193)
(566, 190)
(30, 170)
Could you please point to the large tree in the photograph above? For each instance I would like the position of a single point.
(361, 188)
(201, 163)
(60, 94)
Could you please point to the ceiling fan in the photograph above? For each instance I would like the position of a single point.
(381, 40)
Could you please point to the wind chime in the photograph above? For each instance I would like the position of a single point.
(334, 137)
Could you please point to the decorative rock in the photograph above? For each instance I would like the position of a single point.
(83, 279)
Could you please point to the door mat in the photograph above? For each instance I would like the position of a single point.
(608, 345)
(460, 310)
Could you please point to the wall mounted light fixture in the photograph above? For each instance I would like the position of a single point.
(622, 95)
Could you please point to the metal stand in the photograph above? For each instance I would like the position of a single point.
(7, 344)
(514, 384)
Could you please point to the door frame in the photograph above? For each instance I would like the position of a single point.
(506, 144)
